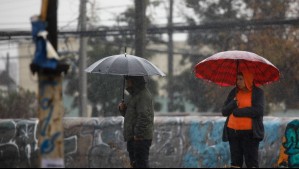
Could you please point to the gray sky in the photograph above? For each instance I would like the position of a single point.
(15, 15)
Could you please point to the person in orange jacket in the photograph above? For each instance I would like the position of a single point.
(244, 129)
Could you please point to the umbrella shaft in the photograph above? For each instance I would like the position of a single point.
(124, 83)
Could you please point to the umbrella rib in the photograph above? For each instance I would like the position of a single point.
(127, 56)
(258, 68)
(142, 66)
(113, 60)
(226, 76)
(219, 71)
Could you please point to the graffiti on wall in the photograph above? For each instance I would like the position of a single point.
(100, 140)
(205, 147)
(289, 155)
(178, 142)
(168, 142)
(18, 143)
(274, 130)
(108, 146)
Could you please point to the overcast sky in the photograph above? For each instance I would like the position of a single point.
(15, 15)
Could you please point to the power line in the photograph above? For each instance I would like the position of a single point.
(76, 52)
(227, 25)
(111, 7)
(17, 57)
(28, 23)
(32, 56)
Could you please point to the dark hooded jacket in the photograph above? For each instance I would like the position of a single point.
(256, 111)
(139, 115)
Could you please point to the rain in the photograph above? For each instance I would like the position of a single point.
(55, 78)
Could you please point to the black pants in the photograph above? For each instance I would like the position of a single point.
(139, 153)
(242, 144)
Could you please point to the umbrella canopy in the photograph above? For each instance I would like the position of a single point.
(124, 65)
(222, 68)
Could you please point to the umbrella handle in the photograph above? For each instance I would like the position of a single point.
(238, 62)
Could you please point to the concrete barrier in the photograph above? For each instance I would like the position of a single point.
(183, 142)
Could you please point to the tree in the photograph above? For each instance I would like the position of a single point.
(105, 91)
(207, 96)
(279, 44)
(18, 105)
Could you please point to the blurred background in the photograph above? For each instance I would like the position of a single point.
(180, 33)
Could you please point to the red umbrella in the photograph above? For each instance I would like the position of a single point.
(221, 68)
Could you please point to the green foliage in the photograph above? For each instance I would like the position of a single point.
(18, 105)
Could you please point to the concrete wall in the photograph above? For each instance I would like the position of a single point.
(191, 141)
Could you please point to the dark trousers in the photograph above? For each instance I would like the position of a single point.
(139, 153)
(242, 144)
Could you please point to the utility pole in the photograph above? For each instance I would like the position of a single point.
(140, 27)
(170, 57)
(50, 107)
(9, 82)
(82, 61)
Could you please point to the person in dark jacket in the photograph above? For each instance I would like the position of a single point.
(244, 129)
(138, 122)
